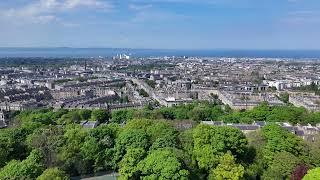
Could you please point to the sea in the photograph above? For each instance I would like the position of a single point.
(109, 52)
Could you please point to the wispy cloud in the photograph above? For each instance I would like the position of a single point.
(175, 1)
(139, 7)
(70, 4)
(211, 3)
(43, 11)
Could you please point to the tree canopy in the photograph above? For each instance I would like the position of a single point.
(53, 174)
(312, 174)
(158, 143)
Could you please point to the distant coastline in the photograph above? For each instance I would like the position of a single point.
(109, 52)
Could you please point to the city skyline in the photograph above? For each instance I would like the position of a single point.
(165, 24)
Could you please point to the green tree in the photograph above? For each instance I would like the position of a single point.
(312, 174)
(167, 113)
(69, 153)
(92, 154)
(53, 174)
(128, 168)
(143, 93)
(162, 164)
(235, 117)
(185, 140)
(164, 141)
(227, 169)
(254, 156)
(216, 112)
(41, 117)
(313, 151)
(124, 99)
(313, 118)
(85, 114)
(260, 112)
(160, 129)
(99, 147)
(56, 115)
(70, 117)
(181, 113)
(28, 169)
(128, 139)
(210, 142)
(200, 114)
(12, 144)
(280, 139)
(48, 140)
(106, 134)
(100, 115)
(284, 97)
(142, 124)
(282, 166)
(287, 114)
(121, 116)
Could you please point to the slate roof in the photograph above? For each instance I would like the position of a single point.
(299, 133)
(246, 127)
(89, 124)
(260, 123)
(290, 128)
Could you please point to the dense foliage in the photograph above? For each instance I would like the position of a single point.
(205, 111)
(158, 143)
(53, 174)
(312, 174)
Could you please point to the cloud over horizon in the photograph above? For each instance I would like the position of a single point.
(43, 11)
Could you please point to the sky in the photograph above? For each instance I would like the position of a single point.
(161, 24)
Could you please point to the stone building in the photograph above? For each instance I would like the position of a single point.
(3, 122)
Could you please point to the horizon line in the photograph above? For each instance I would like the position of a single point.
(168, 49)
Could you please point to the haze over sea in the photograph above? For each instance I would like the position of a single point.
(95, 52)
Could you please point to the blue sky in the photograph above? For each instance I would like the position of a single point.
(169, 24)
